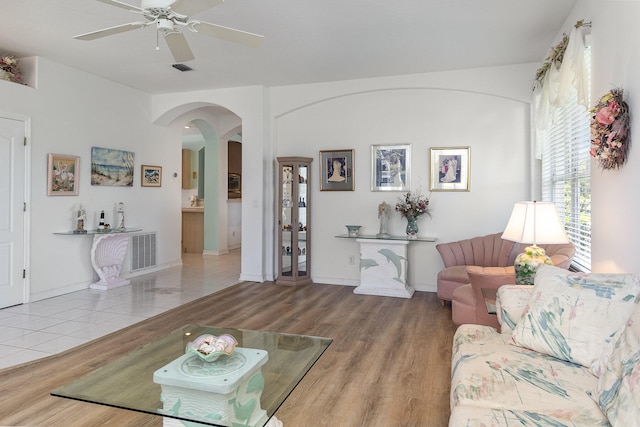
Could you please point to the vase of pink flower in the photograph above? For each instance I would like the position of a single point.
(412, 206)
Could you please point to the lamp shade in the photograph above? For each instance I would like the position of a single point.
(535, 222)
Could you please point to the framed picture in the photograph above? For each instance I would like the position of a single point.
(234, 186)
(151, 176)
(112, 167)
(450, 169)
(391, 167)
(62, 175)
(336, 170)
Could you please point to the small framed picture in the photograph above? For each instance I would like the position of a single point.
(391, 167)
(151, 176)
(450, 169)
(336, 170)
(62, 175)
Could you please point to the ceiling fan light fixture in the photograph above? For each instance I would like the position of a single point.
(164, 24)
(182, 67)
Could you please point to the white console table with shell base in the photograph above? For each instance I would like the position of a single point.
(108, 252)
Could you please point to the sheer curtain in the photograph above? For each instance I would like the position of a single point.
(557, 87)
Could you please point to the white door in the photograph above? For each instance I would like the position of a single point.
(12, 194)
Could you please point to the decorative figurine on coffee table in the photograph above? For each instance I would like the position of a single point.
(80, 219)
(384, 213)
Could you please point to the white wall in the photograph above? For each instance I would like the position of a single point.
(71, 111)
(616, 63)
(615, 59)
(486, 110)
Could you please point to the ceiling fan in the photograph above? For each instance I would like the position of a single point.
(169, 16)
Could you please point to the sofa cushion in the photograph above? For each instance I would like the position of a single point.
(570, 316)
(492, 377)
(510, 304)
(618, 390)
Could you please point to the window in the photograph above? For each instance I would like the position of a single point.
(566, 174)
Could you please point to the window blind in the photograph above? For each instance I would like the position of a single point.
(566, 174)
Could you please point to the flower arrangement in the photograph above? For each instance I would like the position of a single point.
(412, 205)
(610, 130)
(9, 69)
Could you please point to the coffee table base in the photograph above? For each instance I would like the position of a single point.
(227, 390)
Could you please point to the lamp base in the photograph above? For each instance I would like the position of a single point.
(527, 263)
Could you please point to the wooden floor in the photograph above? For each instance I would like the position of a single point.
(389, 363)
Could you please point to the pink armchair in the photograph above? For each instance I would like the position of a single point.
(484, 251)
(462, 283)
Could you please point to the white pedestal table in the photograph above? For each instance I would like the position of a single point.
(384, 264)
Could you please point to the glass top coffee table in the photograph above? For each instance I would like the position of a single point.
(244, 388)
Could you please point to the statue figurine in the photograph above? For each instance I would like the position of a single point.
(80, 219)
(384, 213)
(121, 216)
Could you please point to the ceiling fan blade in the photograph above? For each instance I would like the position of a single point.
(191, 7)
(226, 33)
(178, 46)
(122, 5)
(111, 31)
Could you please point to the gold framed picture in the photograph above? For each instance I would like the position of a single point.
(62, 175)
(151, 176)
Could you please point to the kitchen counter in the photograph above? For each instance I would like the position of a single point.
(195, 209)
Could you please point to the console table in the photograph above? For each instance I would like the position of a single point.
(107, 255)
(384, 264)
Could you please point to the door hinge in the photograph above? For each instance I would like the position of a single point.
(24, 207)
(24, 141)
(24, 274)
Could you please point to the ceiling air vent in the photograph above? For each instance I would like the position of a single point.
(182, 67)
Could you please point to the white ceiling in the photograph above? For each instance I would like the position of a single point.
(306, 41)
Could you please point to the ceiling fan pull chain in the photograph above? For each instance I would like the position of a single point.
(157, 41)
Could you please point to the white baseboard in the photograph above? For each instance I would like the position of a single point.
(253, 278)
(176, 263)
(50, 293)
(216, 253)
(352, 282)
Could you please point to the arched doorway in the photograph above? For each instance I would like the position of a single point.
(207, 138)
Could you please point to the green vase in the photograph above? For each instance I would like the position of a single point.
(412, 227)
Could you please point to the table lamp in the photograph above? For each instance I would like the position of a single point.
(533, 223)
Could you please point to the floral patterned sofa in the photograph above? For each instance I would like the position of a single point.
(568, 354)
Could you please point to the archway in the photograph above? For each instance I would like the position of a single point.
(212, 122)
(246, 107)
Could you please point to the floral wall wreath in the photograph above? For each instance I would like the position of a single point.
(610, 130)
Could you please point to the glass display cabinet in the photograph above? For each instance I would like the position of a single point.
(294, 220)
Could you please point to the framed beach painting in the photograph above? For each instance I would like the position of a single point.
(151, 176)
(450, 169)
(62, 175)
(111, 167)
(336, 170)
(391, 167)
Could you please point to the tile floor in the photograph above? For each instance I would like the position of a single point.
(39, 329)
